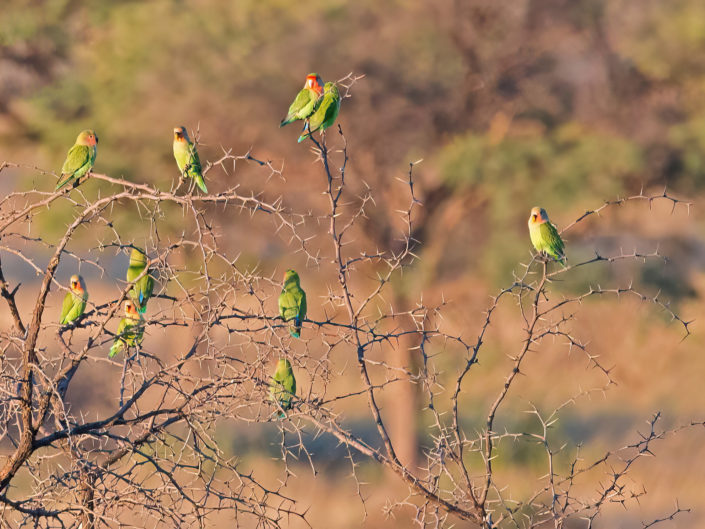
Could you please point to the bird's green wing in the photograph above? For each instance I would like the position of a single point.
(146, 286)
(129, 333)
(137, 333)
(119, 343)
(77, 308)
(133, 272)
(194, 161)
(332, 110)
(283, 387)
(66, 308)
(302, 107)
(288, 305)
(142, 289)
(290, 384)
(195, 171)
(552, 242)
(189, 163)
(298, 303)
(302, 305)
(325, 115)
(288, 390)
(78, 162)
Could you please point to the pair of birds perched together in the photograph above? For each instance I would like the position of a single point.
(131, 328)
(317, 104)
(81, 158)
(292, 306)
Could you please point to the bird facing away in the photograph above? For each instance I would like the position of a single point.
(130, 330)
(142, 289)
(544, 235)
(326, 111)
(282, 387)
(187, 158)
(305, 102)
(74, 300)
(292, 302)
(80, 158)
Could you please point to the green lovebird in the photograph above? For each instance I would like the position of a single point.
(142, 289)
(80, 158)
(325, 113)
(74, 301)
(130, 331)
(305, 102)
(292, 302)
(282, 386)
(544, 235)
(187, 158)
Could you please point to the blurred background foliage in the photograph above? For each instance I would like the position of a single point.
(558, 103)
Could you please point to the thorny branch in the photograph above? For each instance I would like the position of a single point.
(212, 336)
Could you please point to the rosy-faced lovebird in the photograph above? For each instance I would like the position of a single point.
(282, 387)
(326, 111)
(130, 330)
(187, 158)
(544, 235)
(142, 289)
(74, 300)
(292, 302)
(305, 102)
(80, 158)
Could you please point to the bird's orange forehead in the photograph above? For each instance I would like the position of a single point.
(538, 215)
(312, 81)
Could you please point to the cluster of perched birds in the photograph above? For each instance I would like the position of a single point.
(131, 328)
(317, 105)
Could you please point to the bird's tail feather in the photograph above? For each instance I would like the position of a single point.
(63, 182)
(201, 184)
(295, 331)
(305, 132)
(115, 349)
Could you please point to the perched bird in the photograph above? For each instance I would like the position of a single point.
(74, 301)
(130, 330)
(142, 289)
(187, 158)
(282, 387)
(305, 102)
(292, 302)
(326, 111)
(544, 235)
(80, 158)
